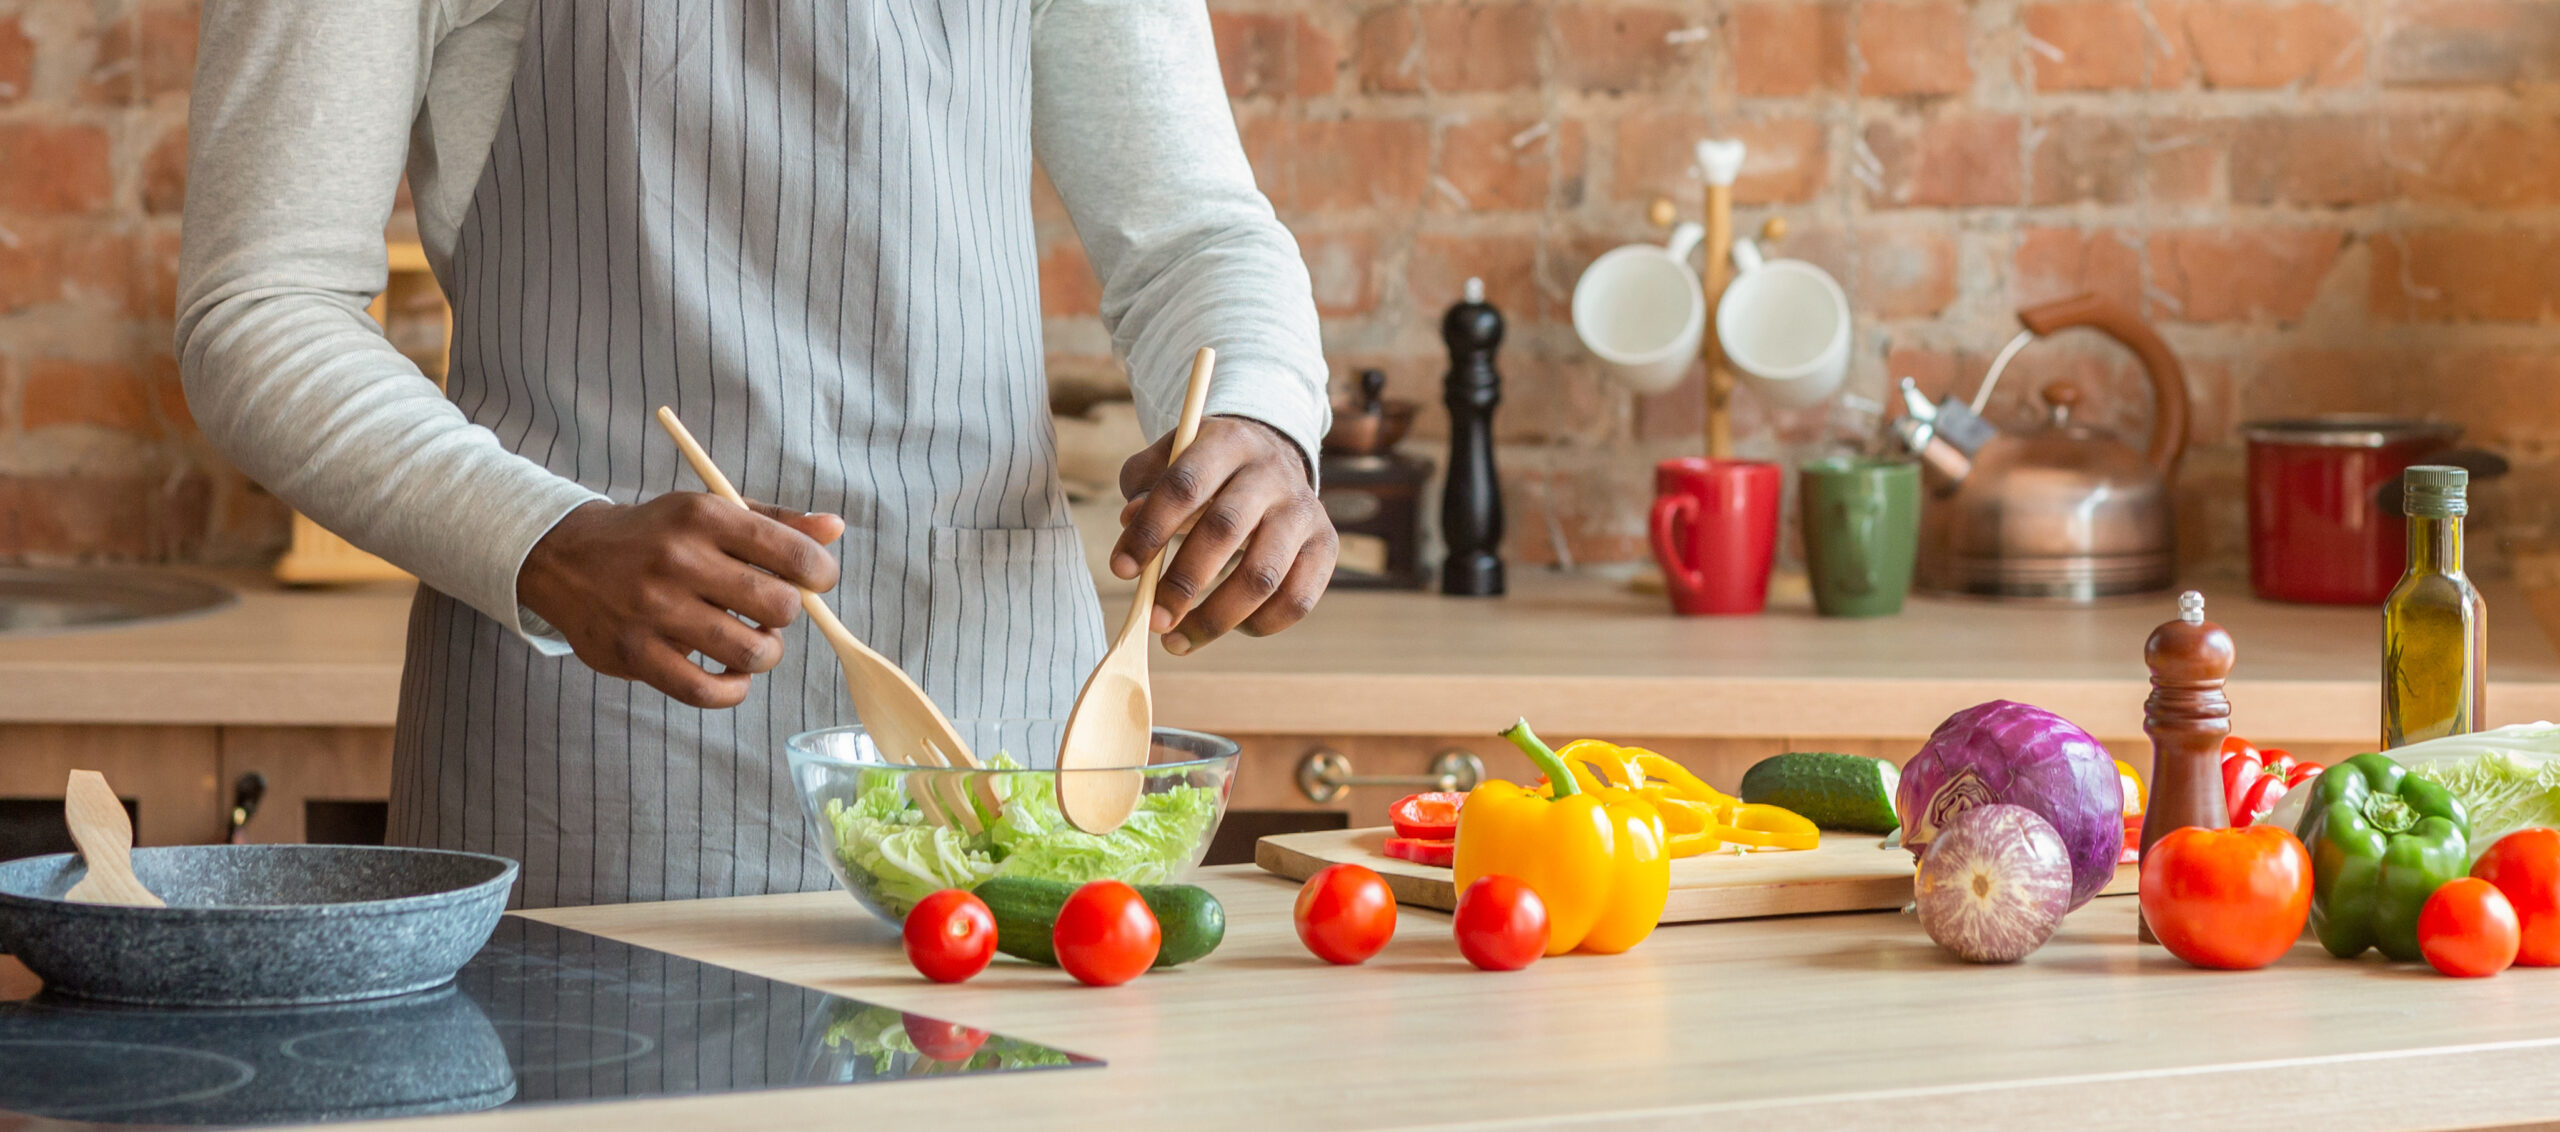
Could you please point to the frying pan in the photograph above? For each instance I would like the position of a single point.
(257, 925)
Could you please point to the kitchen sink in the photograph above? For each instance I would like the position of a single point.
(52, 601)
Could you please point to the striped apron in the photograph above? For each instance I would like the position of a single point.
(806, 225)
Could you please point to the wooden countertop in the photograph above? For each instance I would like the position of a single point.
(1578, 654)
(277, 656)
(1812, 1022)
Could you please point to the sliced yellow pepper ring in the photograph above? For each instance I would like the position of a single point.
(1688, 785)
(1772, 827)
(1690, 827)
(1586, 756)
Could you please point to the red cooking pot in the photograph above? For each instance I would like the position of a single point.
(2317, 533)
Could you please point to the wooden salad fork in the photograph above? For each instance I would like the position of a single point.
(902, 721)
(1113, 722)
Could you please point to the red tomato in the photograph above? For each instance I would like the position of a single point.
(1501, 923)
(1346, 914)
(1427, 817)
(943, 1041)
(2229, 898)
(1438, 853)
(2525, 865)
(2467, 929)
(950, 936)
(1106, 935)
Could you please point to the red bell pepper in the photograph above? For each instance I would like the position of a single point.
(2253, 781)
(1428, 817)
(1439, 853)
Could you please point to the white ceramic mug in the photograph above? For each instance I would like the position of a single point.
(1640, 310)
(1784, 327)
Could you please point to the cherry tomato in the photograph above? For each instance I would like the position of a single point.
(1106, 935)
(1345, 914)
(2229, 898)
(950, 936)
(2467, 929)
(943, 1041)
(2525, 865)
(1427, 817)
(1501, 923)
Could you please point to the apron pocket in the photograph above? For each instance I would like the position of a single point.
(1016, 625)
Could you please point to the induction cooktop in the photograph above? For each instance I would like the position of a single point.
(542, 1015)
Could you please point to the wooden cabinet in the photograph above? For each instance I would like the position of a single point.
(170, 775)
(302, 766)
(181, 780)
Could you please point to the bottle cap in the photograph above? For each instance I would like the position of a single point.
(2434, 491)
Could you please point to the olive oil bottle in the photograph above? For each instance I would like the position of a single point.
(2434, 623)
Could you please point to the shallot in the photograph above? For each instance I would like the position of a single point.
(1994, 883)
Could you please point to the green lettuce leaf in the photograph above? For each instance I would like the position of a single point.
(886, 844)
(2503, 792)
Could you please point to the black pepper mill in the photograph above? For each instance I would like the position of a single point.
(1471, 507)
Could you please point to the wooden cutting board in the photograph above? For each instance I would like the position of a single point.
(1849, 873)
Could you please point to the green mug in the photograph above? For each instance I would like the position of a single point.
(1861, 534)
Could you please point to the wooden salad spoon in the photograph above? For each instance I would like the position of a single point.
(903, 723)
(104, 833)
(1113, 722)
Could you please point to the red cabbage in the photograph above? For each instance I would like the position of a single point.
(2024, 756)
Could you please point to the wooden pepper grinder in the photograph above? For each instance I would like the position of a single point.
(1471, 505)
(2187, 718)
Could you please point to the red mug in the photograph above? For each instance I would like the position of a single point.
(1715, 528)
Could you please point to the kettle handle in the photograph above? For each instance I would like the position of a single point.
(2168, 378)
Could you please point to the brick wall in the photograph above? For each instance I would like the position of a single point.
(98, 458)
(2325, 206)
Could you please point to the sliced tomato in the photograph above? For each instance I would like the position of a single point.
(1437, 852)
(1429, 817)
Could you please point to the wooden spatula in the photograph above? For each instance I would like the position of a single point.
(1113, 723)
(901, 719)
(104, 833)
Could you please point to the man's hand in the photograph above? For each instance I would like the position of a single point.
(637, 590)
(1241, 486)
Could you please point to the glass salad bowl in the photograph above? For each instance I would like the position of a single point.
(890, 851)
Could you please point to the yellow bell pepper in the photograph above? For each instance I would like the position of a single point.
(1595, 855)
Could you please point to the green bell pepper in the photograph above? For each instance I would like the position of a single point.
(2381, 842)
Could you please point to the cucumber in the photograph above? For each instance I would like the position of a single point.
(1026, 908)
(1834, 791)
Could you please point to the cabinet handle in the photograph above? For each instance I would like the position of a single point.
(245, 796)
(1324, 773)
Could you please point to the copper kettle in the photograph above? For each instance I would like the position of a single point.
(2062, 511)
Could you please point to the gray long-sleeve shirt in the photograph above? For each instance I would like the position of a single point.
(306, 112)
